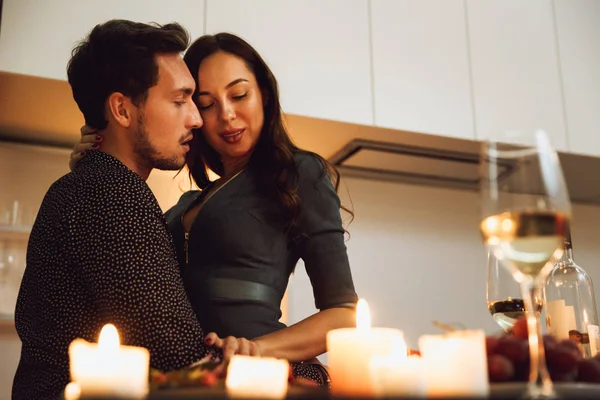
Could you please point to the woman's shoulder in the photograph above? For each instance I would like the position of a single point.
(309, 165)
(188, 196)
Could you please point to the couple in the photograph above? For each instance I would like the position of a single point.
(101, 251)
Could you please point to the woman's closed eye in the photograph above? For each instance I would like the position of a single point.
(237, 97)
(240, 96)
(203, 107)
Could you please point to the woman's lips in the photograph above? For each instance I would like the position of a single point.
(233, 136)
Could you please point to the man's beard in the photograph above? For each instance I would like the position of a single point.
(150, 155)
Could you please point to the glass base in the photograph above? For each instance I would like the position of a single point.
(540, 391)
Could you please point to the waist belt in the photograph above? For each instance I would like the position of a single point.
(228, 290)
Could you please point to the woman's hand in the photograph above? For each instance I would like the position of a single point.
(232, 345)
(90, 140)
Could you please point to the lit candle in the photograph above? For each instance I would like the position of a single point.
(109, 369)
(349, 352)
(395, 376)
(257, 377)
(72, 391)
(455, 364)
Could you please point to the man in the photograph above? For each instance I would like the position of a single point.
(99, 251)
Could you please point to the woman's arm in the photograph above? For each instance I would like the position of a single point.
(326, 261)
(307, 338)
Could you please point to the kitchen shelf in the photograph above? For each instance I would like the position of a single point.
(10, 232)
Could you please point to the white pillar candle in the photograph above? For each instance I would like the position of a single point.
(455, 364)
(349, 352)
(257, 377)
(109, 369)
(398, 377)
(560, 318)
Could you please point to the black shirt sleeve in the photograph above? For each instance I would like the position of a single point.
(127, 260)
(323, 250)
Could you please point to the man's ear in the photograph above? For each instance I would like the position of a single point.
(121, 109)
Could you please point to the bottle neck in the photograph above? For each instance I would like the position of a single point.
(568, 254)
(568, 246)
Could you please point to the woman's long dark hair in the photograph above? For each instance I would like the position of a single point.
(273, 156)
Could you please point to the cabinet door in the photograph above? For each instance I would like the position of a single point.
(317, 49)
(38, 36)
(421, 66)
(578, 32)
(514, 62)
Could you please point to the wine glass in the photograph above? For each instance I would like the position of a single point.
(503, 295)
(526, 210)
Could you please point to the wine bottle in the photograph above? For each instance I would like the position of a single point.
(570, 303)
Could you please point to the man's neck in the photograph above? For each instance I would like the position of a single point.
(123, 151)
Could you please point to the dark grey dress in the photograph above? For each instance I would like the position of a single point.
(239, 258)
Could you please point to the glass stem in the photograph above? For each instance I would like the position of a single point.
(540, 385)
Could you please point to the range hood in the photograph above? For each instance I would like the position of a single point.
(42, 112)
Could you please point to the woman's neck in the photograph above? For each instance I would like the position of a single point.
(233, 167)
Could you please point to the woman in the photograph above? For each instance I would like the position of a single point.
(240, 237)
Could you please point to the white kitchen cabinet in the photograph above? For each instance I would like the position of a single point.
(514, 63)
(578, 33)
(37, 36)
(317, 49)
(421, 66)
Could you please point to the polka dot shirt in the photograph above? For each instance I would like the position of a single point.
(100, 253)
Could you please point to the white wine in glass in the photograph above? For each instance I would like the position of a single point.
(525, 213)
(503, 295)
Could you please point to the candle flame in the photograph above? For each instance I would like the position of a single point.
(72, 391)
(109, 338)
(363, 316)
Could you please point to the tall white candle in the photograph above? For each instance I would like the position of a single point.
(109, 369)
(455, 364)
(349, 352)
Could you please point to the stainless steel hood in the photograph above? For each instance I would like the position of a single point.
(42, 111)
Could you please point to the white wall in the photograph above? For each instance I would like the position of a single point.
(25, 175)
(417, 256)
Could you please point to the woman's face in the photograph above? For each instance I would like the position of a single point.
(231, 106)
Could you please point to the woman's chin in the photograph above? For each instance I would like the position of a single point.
(239, 153)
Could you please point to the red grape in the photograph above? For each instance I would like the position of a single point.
(562, 360)
(513, 348)
(491, 343)
(500, 369)
(519, 329)
(589, 370)
(550, 342)
(571, 345)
